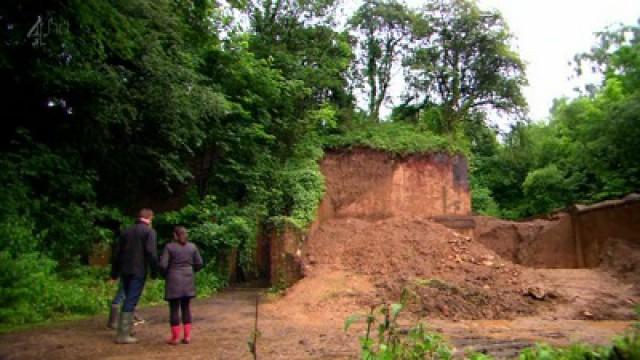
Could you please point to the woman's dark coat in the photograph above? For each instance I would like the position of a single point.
(179, 262)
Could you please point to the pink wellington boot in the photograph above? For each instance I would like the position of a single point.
(175, 335)
(187, 334)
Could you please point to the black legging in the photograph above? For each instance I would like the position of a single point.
(177, 305)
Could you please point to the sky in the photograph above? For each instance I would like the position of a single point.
(548, 33)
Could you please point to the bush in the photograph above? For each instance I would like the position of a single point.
(545, 189)
(300, 187)
(48, 205)
(33, 292)
(482, 200)
(208, 281)
(216, 230)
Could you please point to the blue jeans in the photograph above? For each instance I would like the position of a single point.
(119, 294)
(133, 286)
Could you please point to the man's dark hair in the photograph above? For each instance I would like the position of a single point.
(145, 213)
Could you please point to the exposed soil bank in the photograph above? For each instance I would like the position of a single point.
(372, 184)
(605, 235)
(537, 243)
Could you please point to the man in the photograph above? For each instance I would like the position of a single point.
(135, 253)
(116, 303)
(114, 311)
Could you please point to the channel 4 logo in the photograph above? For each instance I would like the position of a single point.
(43, 28)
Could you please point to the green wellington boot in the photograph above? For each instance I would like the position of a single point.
(112, 321)
(124, 329)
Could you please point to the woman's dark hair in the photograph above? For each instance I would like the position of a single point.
(181, 233)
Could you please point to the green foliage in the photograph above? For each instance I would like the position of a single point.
(383, 30)
(210, 225)
(544, 189)
(586, 151)
(482, 200)
(116, 83)
(397, 138)
(624, 347)
(301, 185)
(208, 281)
(216, 230)
(390, 344)
(48, 205)
(463, 63)
(479, 356)
(34, 292)
(126, 103)
(543, 352)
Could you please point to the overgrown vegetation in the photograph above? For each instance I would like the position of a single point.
(390, 342)
(624, 347)
(397, 138)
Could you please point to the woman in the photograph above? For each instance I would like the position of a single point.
(179, 262)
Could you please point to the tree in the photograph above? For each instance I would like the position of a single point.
(116, 83)
(464, 63)
(383, 29)
(587, 150)
(297, 37)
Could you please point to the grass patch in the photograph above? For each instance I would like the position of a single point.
(397, 138)
(38, 293)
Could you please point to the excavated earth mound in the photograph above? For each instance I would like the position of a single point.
(442, 274)
(351, 264)
(373, 243)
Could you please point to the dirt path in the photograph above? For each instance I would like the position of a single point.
(224, 323)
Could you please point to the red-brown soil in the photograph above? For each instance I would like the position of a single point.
(446, 275)
(537, 243)
(449, 276)
(622, 259)
(373, 184)
(288, 329)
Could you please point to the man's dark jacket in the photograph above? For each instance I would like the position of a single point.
(135, 251)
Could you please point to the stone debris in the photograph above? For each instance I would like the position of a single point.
(535, 292)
